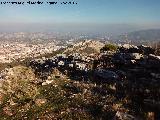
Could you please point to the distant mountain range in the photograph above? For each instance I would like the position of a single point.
(142, 35)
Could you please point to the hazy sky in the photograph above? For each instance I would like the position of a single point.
(89, 13)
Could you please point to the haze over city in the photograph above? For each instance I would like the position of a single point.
(88, 16)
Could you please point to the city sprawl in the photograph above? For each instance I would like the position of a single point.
(18, 46)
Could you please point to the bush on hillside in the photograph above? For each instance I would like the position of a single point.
(109, 47)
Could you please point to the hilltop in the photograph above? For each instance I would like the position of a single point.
(116, 82)
(85, 47)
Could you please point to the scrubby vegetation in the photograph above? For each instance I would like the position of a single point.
(109, 47)
(22, 98)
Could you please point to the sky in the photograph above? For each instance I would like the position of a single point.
(85, 15)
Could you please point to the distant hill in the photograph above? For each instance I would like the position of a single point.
(142, 35)
(85, 47)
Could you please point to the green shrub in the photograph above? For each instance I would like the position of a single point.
(109, 47)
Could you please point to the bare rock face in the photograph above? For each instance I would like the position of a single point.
(136, 56)
(123, 116)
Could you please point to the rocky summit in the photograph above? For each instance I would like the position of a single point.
(85, 47)
(112, 82)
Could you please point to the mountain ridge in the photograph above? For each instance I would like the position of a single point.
(147, 35)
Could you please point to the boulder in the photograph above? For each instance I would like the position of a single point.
(136, 56)
(106, 75)
(146, 49)
(123, 116)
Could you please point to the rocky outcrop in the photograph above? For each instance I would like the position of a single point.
(85, 47)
